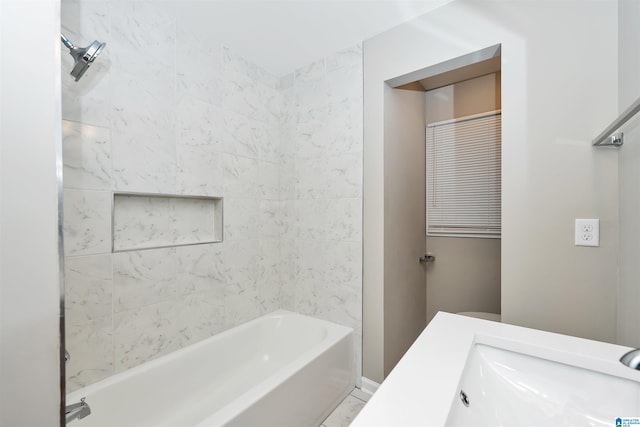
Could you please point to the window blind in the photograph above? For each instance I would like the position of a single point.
(463, 167)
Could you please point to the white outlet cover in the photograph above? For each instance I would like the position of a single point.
(587, 232)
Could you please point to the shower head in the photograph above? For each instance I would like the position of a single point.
(83, 56)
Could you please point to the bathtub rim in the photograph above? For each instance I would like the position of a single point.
(335, 333)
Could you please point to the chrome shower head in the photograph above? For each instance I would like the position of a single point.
(83, 56)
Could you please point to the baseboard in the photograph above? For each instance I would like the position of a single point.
(368, 387)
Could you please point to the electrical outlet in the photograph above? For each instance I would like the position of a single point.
(587, 232)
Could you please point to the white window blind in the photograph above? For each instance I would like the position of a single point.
(464, 177)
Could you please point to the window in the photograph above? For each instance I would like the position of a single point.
(463, 176)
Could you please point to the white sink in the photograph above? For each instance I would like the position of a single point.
(506, 384)
(512, 376)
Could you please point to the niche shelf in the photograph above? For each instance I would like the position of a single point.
(147, 221)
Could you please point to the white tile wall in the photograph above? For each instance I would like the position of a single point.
(141, 278)
(87, 222)
(143, 163)
(87, 156)
(200, 268)
(146, 222)
(88, 288)
(321, 185)
(91, 347)
(161, 111)
(143, 333)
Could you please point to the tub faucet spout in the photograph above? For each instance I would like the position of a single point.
(77, 410)
(632, 359)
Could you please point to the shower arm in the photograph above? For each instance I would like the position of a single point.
(66, 42)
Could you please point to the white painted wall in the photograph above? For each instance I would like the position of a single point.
(629, 177)
(29, 274)
(283, 36)
(558, 91)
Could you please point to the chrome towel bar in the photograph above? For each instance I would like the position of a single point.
(607, 137)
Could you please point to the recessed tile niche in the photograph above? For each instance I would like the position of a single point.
(145, 221)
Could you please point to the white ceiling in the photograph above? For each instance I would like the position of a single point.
(284, 35)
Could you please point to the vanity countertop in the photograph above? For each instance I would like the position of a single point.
(420, 389)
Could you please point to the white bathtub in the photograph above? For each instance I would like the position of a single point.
(282, 369)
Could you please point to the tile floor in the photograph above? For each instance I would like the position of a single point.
(345, 412)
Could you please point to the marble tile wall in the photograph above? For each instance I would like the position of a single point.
(286, 155)
(148, 117)
(322, 143)
(142, 221)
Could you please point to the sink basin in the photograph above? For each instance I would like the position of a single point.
(511, 376)
(506, 383)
